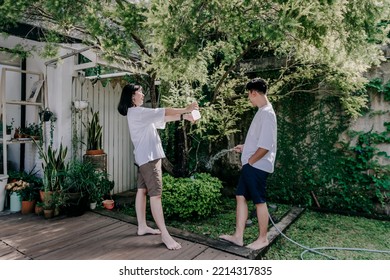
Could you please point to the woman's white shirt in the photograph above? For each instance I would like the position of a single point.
(143, 124)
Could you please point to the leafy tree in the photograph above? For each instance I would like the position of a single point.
(198, 48)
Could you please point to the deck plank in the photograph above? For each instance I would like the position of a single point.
(214, 254)
(91, 236)
(70, 235)
(9, 253)
(46, 236)
(92, 244)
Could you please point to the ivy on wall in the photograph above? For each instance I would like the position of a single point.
(307, 131)
(380, 87)
(361, 181)
(313, 164)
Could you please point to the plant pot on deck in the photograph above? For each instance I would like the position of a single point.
(108, 204)
(48, 213)
(15, 202)
(46, 197)
(28, 207)
(99, 161)
(38, 209)
(76, 204)
(92, 205)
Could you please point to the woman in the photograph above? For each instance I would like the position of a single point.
(143, 124)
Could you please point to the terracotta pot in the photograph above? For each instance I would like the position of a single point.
(46, 196)
(48, 213)
(38, 210)
(16, 134)
(94, 152)
(28, 207)
(108, 204)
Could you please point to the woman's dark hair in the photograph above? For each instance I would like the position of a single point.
(126, 100)
(257, 84)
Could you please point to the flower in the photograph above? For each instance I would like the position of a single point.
(23, 189)
(17, 186)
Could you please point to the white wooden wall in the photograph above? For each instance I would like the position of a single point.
(116, 139)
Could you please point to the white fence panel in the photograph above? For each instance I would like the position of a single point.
(116, 139)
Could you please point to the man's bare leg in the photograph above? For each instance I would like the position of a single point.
(262, 217)
(241, 217)
(158, 216)
(140, 208)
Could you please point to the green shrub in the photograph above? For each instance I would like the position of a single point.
(190, 197)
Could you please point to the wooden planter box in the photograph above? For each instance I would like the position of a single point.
(98, 161)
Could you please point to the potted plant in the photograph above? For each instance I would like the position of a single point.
(39, 208)
(94, 135)
(59, 201)
(106, 186)
(19, 133)
(54, 169)
(33, 130)
(98, 191)
(108, 204)
(80, 105)
(95, 196)
(52, 208)
(9, 129)
(18, 190)
(29, 197)
(46, 115)
(83, 184)
(48, 210)
(28, 185)
(95, 153)
(80, 179)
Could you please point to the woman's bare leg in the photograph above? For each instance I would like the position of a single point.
(140, 208)
(158, 216)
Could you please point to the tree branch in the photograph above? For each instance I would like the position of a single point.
(140, 44)
(234, 65)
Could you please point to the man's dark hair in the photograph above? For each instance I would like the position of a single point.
(257, 84)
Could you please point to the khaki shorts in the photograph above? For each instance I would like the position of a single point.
(150, 177)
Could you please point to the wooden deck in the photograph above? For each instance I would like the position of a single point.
(110, 235)
(91, 236)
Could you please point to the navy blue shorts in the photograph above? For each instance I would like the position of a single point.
(252, 184)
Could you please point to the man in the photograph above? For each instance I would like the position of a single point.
(257, 158)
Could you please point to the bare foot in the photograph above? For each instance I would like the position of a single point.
(232, 239)
(148, 230)
(170, 242)
(258, 244)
